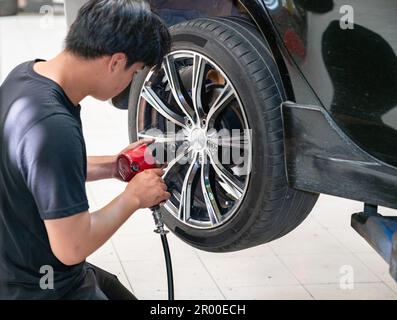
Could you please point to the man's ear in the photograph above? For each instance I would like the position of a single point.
(117, 61)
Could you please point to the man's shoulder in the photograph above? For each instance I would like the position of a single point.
(15, 73)
(23, 66)
(34, 102)
(28, 112)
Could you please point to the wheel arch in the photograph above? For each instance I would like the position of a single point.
(260, 17)
(172, 13)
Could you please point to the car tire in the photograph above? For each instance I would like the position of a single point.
(269, 208)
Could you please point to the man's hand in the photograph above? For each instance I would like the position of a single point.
(105, 167)
(115, 172)
(147, 188)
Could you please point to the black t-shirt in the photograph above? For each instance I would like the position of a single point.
(42, 176)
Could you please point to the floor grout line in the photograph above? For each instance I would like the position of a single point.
(122, 265)
(289, 270)
(389, 286)
(211, 276)
(356, 255)
(376, 275)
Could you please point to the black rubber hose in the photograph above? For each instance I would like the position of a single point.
(168, 264)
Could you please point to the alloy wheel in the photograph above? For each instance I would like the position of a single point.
(192, 110)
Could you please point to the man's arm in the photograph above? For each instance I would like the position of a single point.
(99, 168)
(74, 238)
(50, 158)
(105, 167)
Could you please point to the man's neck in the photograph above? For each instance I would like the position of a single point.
(70, 72)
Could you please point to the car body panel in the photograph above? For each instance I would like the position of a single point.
(320, 157)
(353, 72)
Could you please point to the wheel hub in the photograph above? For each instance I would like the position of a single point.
(198, 139)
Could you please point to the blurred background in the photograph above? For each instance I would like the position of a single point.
(13, 7)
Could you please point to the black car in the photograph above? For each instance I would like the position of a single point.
(314, 83)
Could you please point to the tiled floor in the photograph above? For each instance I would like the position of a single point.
(322, 259)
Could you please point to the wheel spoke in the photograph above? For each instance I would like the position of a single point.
(209, 197)
(175, 86)
(225, 97)
(232, 184)
(154, 100)
(186, 192)
(197, 85)
(172, 163)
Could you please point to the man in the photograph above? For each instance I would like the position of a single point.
(44, 217)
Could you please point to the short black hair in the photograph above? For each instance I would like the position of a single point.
(106, 27)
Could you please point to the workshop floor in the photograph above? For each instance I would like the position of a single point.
(316, 261)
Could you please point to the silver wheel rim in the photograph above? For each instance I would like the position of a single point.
(193, 103)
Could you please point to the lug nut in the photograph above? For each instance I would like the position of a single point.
(188, 122)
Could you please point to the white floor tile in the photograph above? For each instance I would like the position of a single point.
(334, 212)
(191, 279)
(191, 293)
(139, 224)
(376, 264)
(103, 192)
(307, 241)
(350, 239)
(392, 285)
(327, 268)
(104, 254)
(116, 269)
(387, 211)
(151, 294)
(247, 271)
(361, 291)
(149, 247)
(296, 292)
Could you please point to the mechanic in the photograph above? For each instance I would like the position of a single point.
(44, 217)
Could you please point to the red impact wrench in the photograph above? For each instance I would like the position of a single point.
(129, 164)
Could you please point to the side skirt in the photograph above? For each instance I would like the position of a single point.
(321, 158)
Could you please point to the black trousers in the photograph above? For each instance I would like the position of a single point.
(100, 285)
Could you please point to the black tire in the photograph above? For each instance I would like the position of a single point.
(270, 208)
